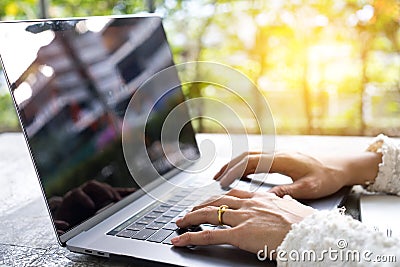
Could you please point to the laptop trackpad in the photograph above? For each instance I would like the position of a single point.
(224, 255)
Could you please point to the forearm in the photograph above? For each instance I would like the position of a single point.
(362, 169)
(378, 168)
(355, 169)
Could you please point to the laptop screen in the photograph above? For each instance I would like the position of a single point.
(72, 81)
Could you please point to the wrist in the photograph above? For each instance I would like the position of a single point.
(362, 169)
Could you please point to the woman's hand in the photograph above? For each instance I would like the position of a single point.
(312, 178)
(256, 219)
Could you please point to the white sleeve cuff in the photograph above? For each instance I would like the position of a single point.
(388, 178)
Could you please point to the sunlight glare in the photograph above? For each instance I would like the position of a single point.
(22, 92)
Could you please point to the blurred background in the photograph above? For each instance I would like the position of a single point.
(328, 67)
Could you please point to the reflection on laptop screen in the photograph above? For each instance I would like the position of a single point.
(72, 81)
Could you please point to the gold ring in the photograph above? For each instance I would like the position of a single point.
(221, 211)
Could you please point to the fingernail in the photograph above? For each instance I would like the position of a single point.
(223, 183)
(175, 240)
(178, 221)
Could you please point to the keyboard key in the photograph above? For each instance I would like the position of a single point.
(143, 234)
(155, 226)
(168, 239)
(161, 209)
(186, 203)
(136, 227)
(178, 208)
(181, 194)
(163, 219)
(175, 199)
(152, 215)
(171, 214)
(145, 221)
(193, 197)
(171, 226)
(183, 213)
(160, 235)
(185, 192)
(126, 233)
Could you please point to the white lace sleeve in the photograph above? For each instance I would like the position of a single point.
(388, 179)
(328, 238)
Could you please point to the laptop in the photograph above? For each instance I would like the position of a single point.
(72, 81)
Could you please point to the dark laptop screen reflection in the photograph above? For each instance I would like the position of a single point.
(72, 100)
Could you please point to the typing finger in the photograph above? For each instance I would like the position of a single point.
(209, 215)
(232, 201)
(233, 163)
(206, 237)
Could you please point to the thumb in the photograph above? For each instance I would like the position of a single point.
(296, 190)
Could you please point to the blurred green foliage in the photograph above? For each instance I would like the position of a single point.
(8, 117)
(326, 67)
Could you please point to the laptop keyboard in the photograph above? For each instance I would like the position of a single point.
(156, 223)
